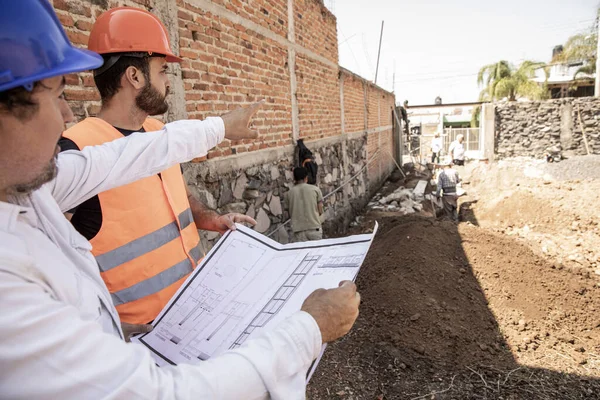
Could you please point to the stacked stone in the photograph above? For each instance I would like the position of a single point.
(259, 190)
(590, 117)
(530, 128)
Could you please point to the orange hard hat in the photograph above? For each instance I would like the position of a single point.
(129, 30)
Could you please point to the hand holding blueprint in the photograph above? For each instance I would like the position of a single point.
(247, 283)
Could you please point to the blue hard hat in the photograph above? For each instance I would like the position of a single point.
(34, 46)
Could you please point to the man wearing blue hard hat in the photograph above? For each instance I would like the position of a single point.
(60, 334)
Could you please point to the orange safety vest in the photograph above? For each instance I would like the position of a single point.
(148, 243)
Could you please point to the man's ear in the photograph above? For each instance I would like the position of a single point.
(134, 77)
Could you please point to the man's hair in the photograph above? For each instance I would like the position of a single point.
(109, 81)
(18, 101)
(300, 173)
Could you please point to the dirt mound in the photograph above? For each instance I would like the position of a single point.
(462, 312)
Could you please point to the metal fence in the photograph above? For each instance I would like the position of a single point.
(472, 142)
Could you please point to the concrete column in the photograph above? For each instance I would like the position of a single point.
(487, 122)
(365, 88)
(166, 11)
(292, 68)
(566, 126)
(342, 102)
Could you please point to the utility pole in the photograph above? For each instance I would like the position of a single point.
(379, 52)
(597, 80)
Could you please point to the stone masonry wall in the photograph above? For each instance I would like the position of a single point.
(236, 52)
(528, 129)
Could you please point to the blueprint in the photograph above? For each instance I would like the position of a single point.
(245, 284)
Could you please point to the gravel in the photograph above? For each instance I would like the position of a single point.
(579, 167)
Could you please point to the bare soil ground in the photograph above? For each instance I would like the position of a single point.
(478, 310)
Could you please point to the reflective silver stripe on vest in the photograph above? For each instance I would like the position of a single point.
(144, 244)
(197, 253)
(185, 218)
(154, 284)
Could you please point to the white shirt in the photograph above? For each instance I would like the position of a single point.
(436, 145)
(60, 335)
(457, 150)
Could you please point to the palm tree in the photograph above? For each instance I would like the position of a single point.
(580, 48)
(503, 80)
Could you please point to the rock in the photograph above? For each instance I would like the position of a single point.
(328, 179)
(210, 235)
(240, 186)
(415, 317)
(260, 200)
(251, 212)
(526, 340)
(263, 223)
(250, 194)
(205, 198)
(483, 347)
(275, 173)
(253, 171)
(226, 195)
(239, 208)
(281, 236)
(289, 175)
(275, 205)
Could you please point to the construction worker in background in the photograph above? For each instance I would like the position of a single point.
(144, 235)
(437, 145)
(305, 205)
(404, 115)
(457, 151)
(60, 335)
(447, 183)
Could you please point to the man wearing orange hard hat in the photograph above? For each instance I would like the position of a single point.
(144, 235)
(61, 335)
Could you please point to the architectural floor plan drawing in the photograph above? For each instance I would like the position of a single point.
(245, 284)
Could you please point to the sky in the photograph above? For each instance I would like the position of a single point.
(436, 47)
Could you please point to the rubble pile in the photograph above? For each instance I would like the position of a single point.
(402, 200)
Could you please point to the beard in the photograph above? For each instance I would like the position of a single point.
(44, 177)
(151, 101)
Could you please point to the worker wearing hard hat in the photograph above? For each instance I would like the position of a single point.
(61, 335)
(447, 189)
(144, 235)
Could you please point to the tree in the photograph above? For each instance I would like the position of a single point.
(503, 80)
(581, 48)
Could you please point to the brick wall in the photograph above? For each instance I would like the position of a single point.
(354, 103)
(316, 28)
(318, 99)
(236, 52)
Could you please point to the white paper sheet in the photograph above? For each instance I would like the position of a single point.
(247, 283)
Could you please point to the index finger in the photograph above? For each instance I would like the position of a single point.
(244, 218)
(255, 107)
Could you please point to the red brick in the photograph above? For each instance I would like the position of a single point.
(65, 19)
(61, 5)
(88, 80)
(78, 37)
(184, 15)
(72, 79)
(186, 74)
(81, 94)
(84, 25)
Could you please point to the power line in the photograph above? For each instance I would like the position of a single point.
(436, 79)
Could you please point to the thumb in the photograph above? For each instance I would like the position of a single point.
(250, 134)
(227, 220)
